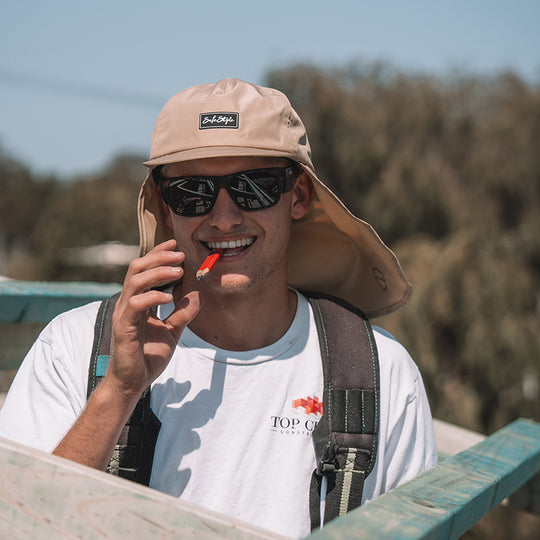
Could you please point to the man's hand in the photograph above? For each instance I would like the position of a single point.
(142, 344)
(141, 349)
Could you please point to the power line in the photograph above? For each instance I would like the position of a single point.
(82, 91)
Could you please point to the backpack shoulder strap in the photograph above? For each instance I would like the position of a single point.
(345, 438)
(99, 359)
(134, 453)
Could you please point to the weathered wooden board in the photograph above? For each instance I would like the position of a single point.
(22, 301)
(447, 500)
(44, 496)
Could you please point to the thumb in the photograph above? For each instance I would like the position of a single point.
(184, 312)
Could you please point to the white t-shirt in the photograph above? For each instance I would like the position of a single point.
(236, 426)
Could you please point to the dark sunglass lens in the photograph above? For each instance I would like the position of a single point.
(256, 190)
(191, 197)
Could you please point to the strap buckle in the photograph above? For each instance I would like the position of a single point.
(328, 461)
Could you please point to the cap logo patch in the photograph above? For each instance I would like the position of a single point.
(216, 120)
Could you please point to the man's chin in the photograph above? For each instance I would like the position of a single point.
(232, 283)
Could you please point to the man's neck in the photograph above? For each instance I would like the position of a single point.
(245, 320)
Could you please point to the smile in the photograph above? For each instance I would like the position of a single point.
(231, 244)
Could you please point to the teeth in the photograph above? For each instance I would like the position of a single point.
(232, 244)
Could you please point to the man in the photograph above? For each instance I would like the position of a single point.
(233, 359)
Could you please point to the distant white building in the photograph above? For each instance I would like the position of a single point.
(107, 255)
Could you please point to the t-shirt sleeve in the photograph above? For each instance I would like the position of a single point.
(49, 390)
(407, 444)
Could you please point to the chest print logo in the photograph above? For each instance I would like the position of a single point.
(298, 423)
(312, 405)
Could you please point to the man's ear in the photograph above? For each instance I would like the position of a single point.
(302, 196)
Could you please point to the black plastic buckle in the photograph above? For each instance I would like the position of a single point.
(328, 462)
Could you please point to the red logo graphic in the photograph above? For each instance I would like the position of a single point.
(312, 405)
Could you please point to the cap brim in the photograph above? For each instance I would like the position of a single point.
(216, 151)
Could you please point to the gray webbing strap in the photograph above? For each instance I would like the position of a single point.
(345, 439)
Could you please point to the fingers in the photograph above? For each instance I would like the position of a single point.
(184, 312)
(159, 266)
(140, 303)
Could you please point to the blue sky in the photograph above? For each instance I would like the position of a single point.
(65, 64)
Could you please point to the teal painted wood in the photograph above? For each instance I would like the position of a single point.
(22, 301)
(447, 500)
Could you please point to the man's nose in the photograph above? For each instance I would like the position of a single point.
(225, 214)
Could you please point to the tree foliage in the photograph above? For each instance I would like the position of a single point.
(42, 217)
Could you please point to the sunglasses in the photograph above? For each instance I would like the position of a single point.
(257, 189)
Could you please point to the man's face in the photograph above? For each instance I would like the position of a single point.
(257, 240)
